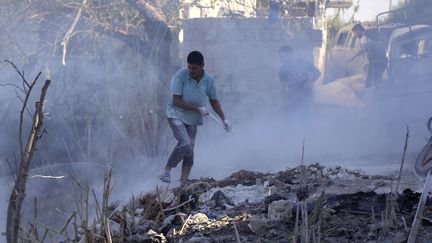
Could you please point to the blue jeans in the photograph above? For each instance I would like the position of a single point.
(185, 135)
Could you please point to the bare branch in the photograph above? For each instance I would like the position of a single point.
(11, 170)
(21, 74)
(24, 106)
(18, 192)
(47, 177)
(13, 85)
(69, 33)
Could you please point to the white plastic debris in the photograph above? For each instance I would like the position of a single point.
(239, 194)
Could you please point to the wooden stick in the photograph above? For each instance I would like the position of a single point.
(296, 227)
(405, 224)
(306, 222)
(184, 225)
(106, 192)
(45, 234)
(236, 233)
(419, 214)
(123, 226)
(302, 172)
(98, 209)
(75, 227)
(35, 232)
(67, 223)
(133, 211)
(403, 160)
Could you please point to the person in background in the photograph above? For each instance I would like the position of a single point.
(375, 55)
(189, 90)
(297, 77)
(274, 13)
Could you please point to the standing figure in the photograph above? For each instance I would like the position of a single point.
(297, 77)
(375, 53)
(189, 90)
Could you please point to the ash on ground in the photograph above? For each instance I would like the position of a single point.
(307, 203)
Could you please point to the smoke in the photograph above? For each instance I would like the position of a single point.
(269, 143)
(106, 110)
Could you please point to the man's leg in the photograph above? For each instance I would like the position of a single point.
(182, 148)
(188, 159)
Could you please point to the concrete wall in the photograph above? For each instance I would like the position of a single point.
(242, 55)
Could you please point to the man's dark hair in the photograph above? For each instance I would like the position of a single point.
(285, 49)
(358, 28)
(195, 57)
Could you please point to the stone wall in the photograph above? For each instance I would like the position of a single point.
(242, 55)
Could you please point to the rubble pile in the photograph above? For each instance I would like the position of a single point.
(309, 203)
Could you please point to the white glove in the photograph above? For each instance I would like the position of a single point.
(203, 111)
(227, 125)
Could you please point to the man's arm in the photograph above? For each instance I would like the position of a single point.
(363, 45)
(217, 108)
(359, 53)
(178, 101)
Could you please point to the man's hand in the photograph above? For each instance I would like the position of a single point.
(203, 111)
(227, 125)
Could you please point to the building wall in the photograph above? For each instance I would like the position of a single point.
(212, 8)
(242, 55)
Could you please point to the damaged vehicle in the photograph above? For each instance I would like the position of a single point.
(407, 85)
(347, 44)
(401, 52)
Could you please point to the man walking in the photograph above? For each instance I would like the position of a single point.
(190, 87)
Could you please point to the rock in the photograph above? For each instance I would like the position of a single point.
(400, 237)
(199, 218)
(280, 210)
(220, 199)
(144, 226)
(258, 226)
(155, 236)
(172, 220)
(212, 215)
(176, 219)
(272, 198)
(139, 211)
(168, 219)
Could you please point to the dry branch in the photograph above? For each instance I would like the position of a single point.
(70, 32)
(18, 192)
(47, 177)
(420, 208)
(236, 233)
(106, 193)
(403, 161)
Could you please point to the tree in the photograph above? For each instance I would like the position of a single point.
(26, 155)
